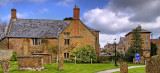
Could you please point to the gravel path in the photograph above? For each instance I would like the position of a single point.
(118, 69)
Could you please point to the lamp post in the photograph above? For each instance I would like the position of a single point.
(115, 52)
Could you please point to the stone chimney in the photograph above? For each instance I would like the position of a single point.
(76, 11)
(13, 14)
(139, 26)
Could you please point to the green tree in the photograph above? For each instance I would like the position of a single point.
(153, 49)
(136, 41)
(84, 54)
(136, 45)
(129, 55)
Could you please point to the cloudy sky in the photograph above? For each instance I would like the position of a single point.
(114, 18)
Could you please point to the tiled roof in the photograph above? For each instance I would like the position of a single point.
(156, 41)
(37, 28)
(142, 31)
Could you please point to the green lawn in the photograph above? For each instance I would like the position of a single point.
(135, 70)
(68, 68)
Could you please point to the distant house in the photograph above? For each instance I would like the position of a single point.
(110, 47)
(121, 45)
(145, 35)
(27, 36)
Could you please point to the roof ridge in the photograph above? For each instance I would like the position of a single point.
(40, 19)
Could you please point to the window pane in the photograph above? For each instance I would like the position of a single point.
(36, 41)
(67, 55)
(32, 41)
(64, 55)
(39, 41)
(147, 40)
(68, 35)
(65, 41)
(65, 35)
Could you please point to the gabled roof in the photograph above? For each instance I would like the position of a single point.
(38, 28)
(142, 31)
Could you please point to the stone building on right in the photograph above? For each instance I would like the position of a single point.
(146, 46)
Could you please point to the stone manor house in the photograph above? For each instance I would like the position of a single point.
(28, 36)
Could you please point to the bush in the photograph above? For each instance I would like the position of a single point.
(105, 59)
(14, 57)
(129, 55)
(84, 54)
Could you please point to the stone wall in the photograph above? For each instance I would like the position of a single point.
(33, 63)
(123, 68)
(23, 46)
(4, 44)
(85, 37)
(6, 54)
(46, 57)
(153, 64)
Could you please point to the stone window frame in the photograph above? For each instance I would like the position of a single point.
(66, 55)
(36, 41)
(66, 38)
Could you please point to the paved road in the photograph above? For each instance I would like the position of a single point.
(118, 69)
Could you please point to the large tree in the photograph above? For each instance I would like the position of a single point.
(136, 41)
(136, 45)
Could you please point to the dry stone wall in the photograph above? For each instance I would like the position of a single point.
(153, 64)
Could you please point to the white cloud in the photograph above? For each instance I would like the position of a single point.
(8, 2)
(66, 2)
(115, 24)
(107, 21)
(19, 15)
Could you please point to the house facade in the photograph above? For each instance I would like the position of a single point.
(146, 46)
(27, 36)
(121, 45)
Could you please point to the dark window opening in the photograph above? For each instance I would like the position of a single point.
(66, 42)
(64, 55)
(36, 41)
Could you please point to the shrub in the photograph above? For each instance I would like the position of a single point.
(84, 54)
(129, 55)
(14, 57)
(105, 59)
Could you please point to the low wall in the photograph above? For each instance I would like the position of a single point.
(47, 57)
(33, 63)
(6, 54)
(153, 64)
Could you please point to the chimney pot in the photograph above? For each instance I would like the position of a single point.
(76, 13)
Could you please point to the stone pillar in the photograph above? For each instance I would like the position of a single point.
(61, 60)
(4, 66)
(9, 64)
(123, 68)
